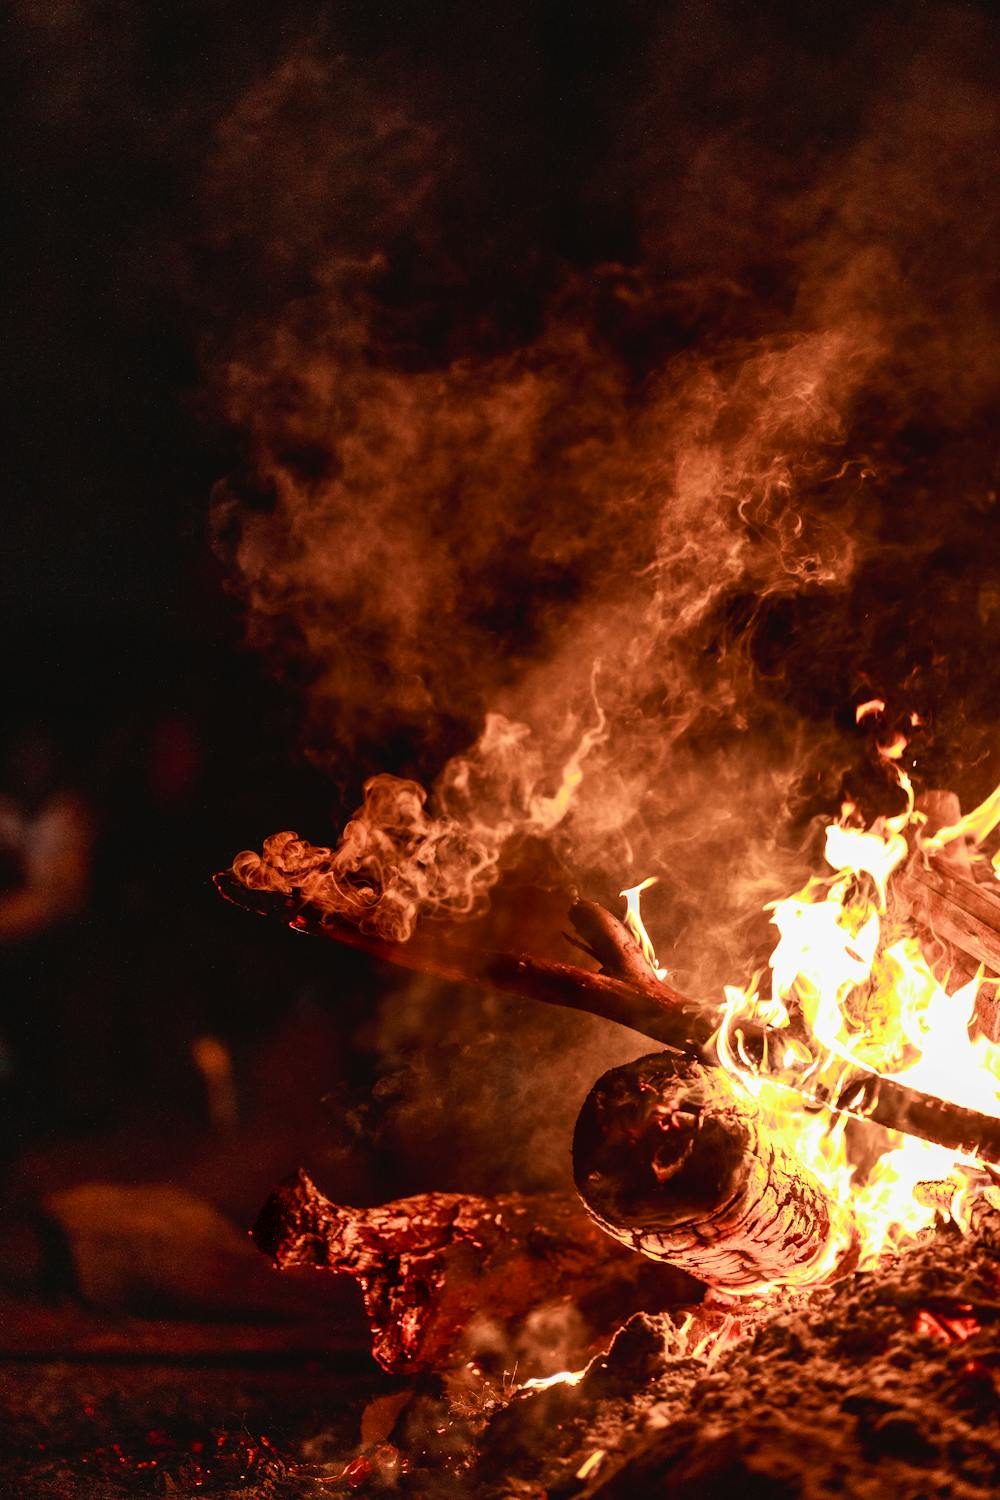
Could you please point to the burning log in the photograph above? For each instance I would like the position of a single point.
(445, 1276)
(954, 908)
(671, 1160)
(658, 1012)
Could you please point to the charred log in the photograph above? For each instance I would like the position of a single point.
(955, 908)
(442, 1274)
(676, 1164)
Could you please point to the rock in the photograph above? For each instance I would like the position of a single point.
(160, 1249)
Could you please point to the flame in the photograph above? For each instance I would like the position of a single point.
(895, 748)
(637, 927)
(976, 825)
(851, 987)
(561, 1377)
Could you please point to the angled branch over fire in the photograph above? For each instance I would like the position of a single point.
(653, 1009)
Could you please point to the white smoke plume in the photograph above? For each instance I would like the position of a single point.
(657, 577)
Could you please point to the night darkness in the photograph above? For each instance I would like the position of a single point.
(560, 141)
(372, 368)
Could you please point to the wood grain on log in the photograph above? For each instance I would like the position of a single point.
(670, 1159)
(960, 911)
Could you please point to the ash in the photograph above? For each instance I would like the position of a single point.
(886, 1383)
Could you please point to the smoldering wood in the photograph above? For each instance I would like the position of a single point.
(955, 908)
(644, 1004)
(443, 1275)
(673, 1162)
(606, 938)
(656, 1011)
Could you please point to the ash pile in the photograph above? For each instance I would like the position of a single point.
(886, 1381)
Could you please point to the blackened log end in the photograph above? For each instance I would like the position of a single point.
(658, 1143)
(293, 1227)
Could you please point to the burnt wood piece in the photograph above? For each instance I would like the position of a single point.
(444, 1275)
(670, 1159)
(649, 1007)
(960, 911)
(607, 939)
(656, 1011)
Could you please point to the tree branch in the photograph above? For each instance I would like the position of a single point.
(656, 1011)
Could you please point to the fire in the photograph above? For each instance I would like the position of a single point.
(637, 927)
(561, 1377)
(851, 988)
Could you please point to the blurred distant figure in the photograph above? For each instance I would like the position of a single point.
(46, 840)
(49, 1016)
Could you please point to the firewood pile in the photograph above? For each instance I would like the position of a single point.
(886, 1379)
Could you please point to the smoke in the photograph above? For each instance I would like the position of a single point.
(395, 863)
(653, 484)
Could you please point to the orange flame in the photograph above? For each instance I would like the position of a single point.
(851, 987)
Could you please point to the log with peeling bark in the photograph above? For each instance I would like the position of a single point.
(675, 1163)
(444, 1276)
(656, 1011)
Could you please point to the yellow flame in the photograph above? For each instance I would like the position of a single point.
(637, 927)
(592, 1463)
(976, 826)
(851, 988)
(561, 1377)
(894, 750)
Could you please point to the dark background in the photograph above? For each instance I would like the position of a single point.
(122, 620)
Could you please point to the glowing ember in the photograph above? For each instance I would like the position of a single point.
(949, 1329)
(561, 1377)
(592, 1464)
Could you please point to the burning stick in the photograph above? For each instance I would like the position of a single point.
(646, 1006)
(672, 1161)
(958, 910)
(658, 1012)
(442, 1273)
